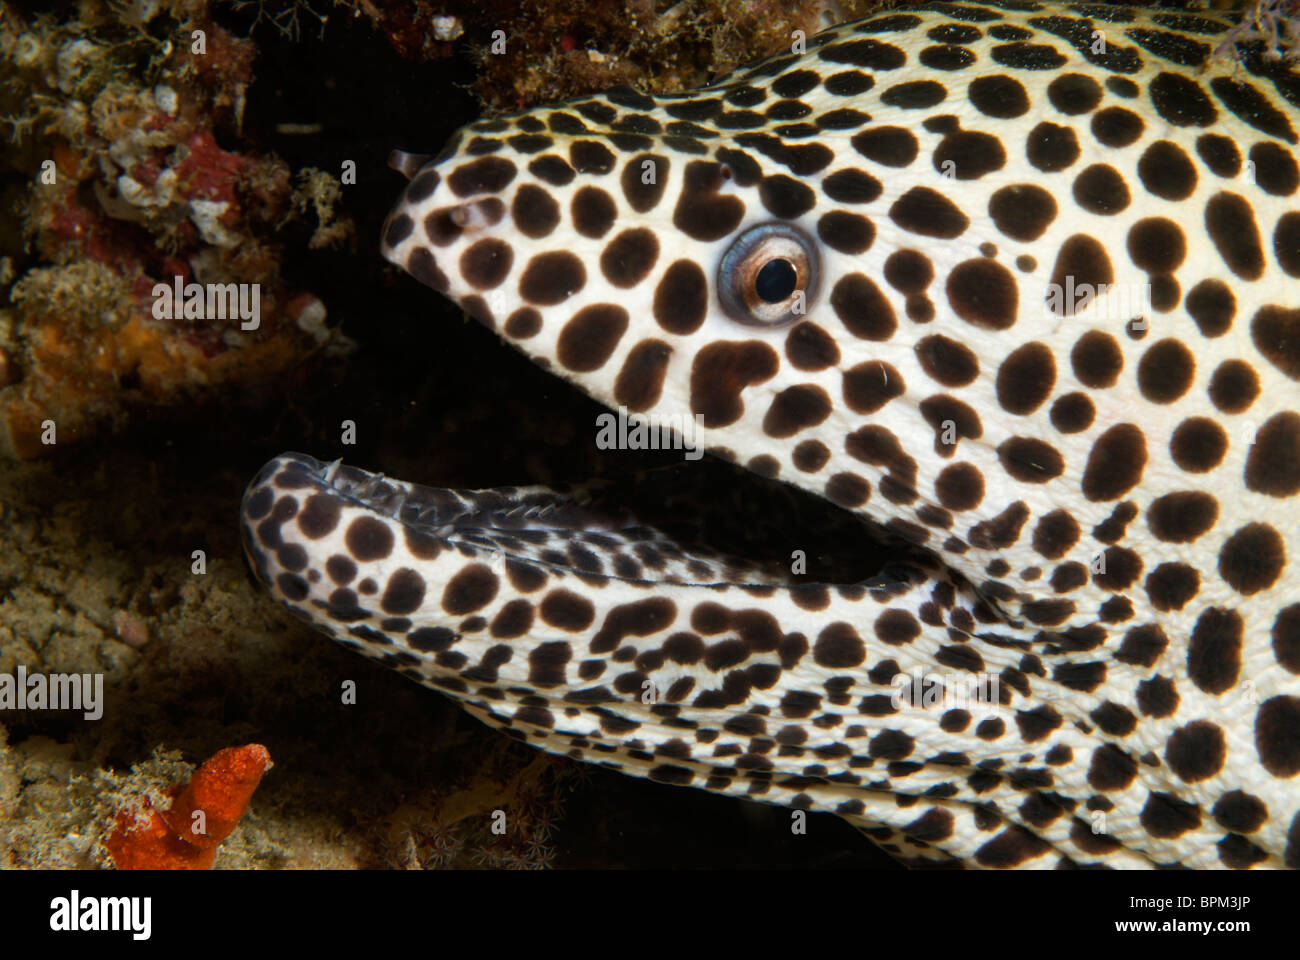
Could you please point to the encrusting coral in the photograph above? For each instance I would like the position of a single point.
(203, 812)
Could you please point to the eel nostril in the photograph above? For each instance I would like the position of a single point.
(407, 164)
(477, 214)
(445, 225)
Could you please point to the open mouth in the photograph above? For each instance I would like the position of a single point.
(701, 523)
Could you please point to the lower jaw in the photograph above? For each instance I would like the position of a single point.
(704, 523)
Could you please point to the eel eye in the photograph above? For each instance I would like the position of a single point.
(768, 275)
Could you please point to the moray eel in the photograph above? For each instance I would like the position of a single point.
(1012, 289)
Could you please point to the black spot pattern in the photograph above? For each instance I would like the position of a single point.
(590, 337)
(1023, 211)
(1115, 463)
(888, 146)
(998, 96)
(1230, 220)
(681, 298)
(929, 213)
(969, 155)
(702, 212)
(1273, 330)
(862, 308)
(1146, 462)
(1166, 171)
(552, 278)
(1273, 465)
(1101, 189)
(1179, 100)
(1051, 147)
(1253, 107)
(1074, 93)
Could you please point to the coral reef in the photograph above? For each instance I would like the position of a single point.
(544, 50)
(129, 124)
(185, 834)
(128, 119)
(498, 811)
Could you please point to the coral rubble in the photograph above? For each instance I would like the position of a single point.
(128, 122)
